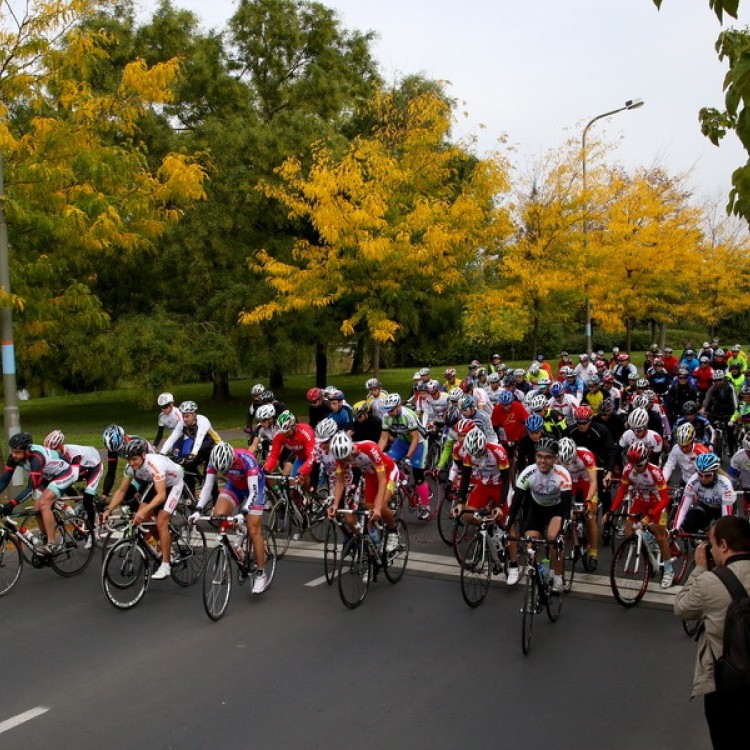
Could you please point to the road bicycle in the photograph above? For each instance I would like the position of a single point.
(217, 575)
(69, 558)
(405, 495)
(539, 593)
(362, 558)
(293, 513)
(447, 499)
(434, 448)
(129, 563)
(576, 536)
(337, 527)
(486, 555)
(638, 559)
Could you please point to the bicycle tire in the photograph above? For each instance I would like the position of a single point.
(555, 599)
(271, 550)
(355, 572)
(530, 608)
(73, 558)
(217, 582)
(11, 563)
(317, 519)
(681, 565)
(445, 521)
(394, 563)
(629, 573)
(188, 554)
(126, 573)
(570, 555)
(111, 534)
(618, 530)
(330, 553)
(281, 523)
(475, 572)
(463, 534)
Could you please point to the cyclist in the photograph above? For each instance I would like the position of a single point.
(680, 392)
(167, 479)
(243, 496)
(543, 497)
(376, 397)
(169, 416)
(366, 425)
(737, 357)
(49, 476)
(625, 370)
(87, 465)
(435, 406)
(719, 404)
(684, 453)
(494, 389)
(651, 498)
(565, 361)
(585, 368)
(299, 440)
(562, 401)
(256, 401)
(341, 412)
(509, 417)
(522, 385)
(671, 363)
(581, 465)
(610, 418)
(689, 361)
(704, 431)
(469, 410)
(739, 472)
(406, 436)
(658, 378)
(496, 363)
(708, 496)
(638, 431)
(264, 431)
(318, 408)
(381, 477)
(451, 380)
(191, 440)
(703, 376)
(735, 376)
(115, 440)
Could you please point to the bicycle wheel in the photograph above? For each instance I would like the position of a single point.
(394, 562)
(463, 535)
(681, 551)
(475, 572)
(330, 552)
(629, 573)
(125, 574)
(73, 557)
(271, 549)
(281, 523)
(571, 551)
(355, 572)
(530, 608)
(618, 530)
(445, 521)
(11, 563)
(188, 553)
(317, 519)
(555, 599)
(217, 582)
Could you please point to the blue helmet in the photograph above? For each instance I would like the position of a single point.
(707, 462)
(506, 397)
(555, 389)
(534, 422)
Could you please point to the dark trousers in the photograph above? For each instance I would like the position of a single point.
(726, 714)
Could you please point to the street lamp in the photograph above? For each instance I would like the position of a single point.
(629, 104)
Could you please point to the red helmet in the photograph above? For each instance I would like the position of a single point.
(467, 386)
(464, 427)
(314, 394)
(584, 414)
(622, 357)
(638, 452)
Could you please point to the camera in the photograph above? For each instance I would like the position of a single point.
(709, 558)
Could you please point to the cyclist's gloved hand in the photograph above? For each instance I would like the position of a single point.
(406, 463)
(238, 520)
(193, 517)
(443, 474)
(645, 521)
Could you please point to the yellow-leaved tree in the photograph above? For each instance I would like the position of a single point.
(399, 217)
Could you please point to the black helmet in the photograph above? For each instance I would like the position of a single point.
(136, 447)
(21, 441)
(690, 407)
(267, 397)
(546, 445)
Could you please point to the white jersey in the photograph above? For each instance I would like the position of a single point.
(85, 456)
(545, 489)
(156, 468)
(651, 439)
(202, 428)
(566, 404)
(740, 464)
(169, 420)
(433, 409)
(719, 495)
(684, 461)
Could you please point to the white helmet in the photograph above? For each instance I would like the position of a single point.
(265, 412)
(165, 399)
(455, 395)
(475, 442)
(638, 419)
(341, 446)
(392, 400)
(566, 450)
(222, 456)
(55, 440)
(326, 429)
(188, 407)
(537, 401)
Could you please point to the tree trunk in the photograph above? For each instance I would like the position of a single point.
(662, 335)
(534, 337)
(628, 333)
(358, 357)
(220, 382)
(376, 358)
(276, 377)
(321, 365)
(653, 331)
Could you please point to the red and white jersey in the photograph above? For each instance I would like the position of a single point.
(652, 440)
(567, 404)
(486, 468)
(718, 495)
(648, 482)
(85, 456)
(579, 467)
(156, 467)
(369, 458)
(685, 461)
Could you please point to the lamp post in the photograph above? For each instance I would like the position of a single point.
(629, 104)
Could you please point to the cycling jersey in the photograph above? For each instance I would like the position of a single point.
(402, 425)
(544, 489)
(156, 468)
(566, 404)
(580, 466)
(301, 443)
(373, 463)
(739, 468)
(685, 461)
(704, 432)
(719, 495)
(434, 409)
(650, 488)
(511, 419)
(244, 484)
(652, 440)
(46, 469)
(202, 435)
(486, 468)
(167, 420)
(86, 463)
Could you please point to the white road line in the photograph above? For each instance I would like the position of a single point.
(316, 581)
(14, 721)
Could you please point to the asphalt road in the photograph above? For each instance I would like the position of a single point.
(412, 667)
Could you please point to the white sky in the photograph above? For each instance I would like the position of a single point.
(538, 70)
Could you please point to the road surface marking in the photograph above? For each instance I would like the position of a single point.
(14, 721)
(316, 581)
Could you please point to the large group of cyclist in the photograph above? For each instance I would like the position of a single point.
(526, 448)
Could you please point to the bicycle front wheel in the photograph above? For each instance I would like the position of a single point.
(188, 553)
(330, 553)
(125, 574)
(394, 562)
(11, 563)
(475, 572)
(463, 535)
(445, 521)
(72, 557)
(217, 583)
(629, 573)
(681, 551)
(530, 608)
(355, 572)
(317, 519)
(281, 523)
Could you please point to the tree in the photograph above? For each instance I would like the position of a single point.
(399, 215)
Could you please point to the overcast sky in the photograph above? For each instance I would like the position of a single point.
(538, 70)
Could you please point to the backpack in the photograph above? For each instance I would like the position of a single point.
(732, 668)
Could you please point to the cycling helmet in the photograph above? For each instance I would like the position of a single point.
(745, 391)
(583, 357)
(684, 434)
(326, 429)
(518, 372)
(360, 408)
(736, 348)
(474, 364)
(556, 389)
(641, 383)
(424, 372)
(422, 387)
(21, 441)
(534, 368)
(608, 377)
(542, 382)
(416, 375)
(188, 407)
(475, 442)
(650, 396)
(372, 383)
(433, 386)
(314, 394)
(546, 445)
(689, 407)
(455, 395)
(481, 372)
(452, 415)
(534, 423)
(337, 395)
(287, 421)
(719, 353)
(267, 397)
(55, 440)
(467, 385)
(328, 390)
(566, 371)
(638, 419)
(222, 457)
(584, 414)
(683, 371)
(606, 406)
(638, 452)
(341, 446)
(257, 390)
(640, 401)
(719, 375)
(506, 398)
(136, 447)
(509, 380)
(593, 380)
(265, 412)
(113, 437)
(622, 357)
(392, 400)
(703, 360)
(450, 373)
(466, 403)
(465, 426)
(634, 377)
(566, 450)
(707, 462)
(165, 399)
(537, 401)
(493, 377)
